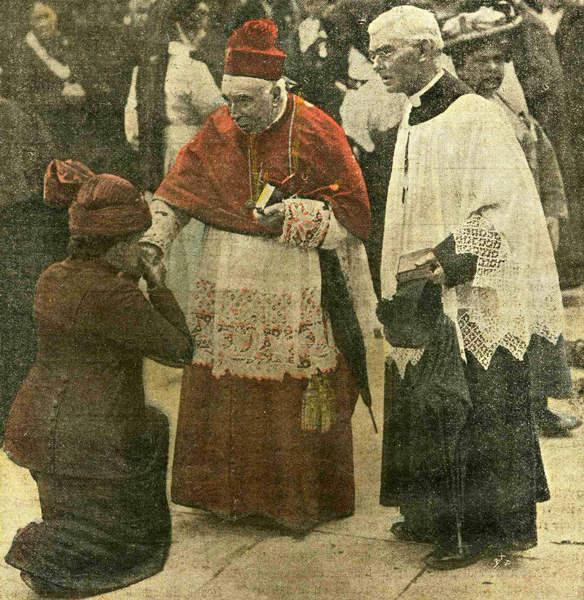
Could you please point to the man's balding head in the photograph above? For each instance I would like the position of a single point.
(407, 24)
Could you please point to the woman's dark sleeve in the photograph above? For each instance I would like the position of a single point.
(156, 329)
(458, 268)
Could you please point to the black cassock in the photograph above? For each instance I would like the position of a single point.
(461, 455)
(423, 457)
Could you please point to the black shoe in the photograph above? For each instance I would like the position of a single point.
(446, 560)
(401, 531)
(554, 423)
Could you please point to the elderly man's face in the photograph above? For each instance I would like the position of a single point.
(197, 20)
(398, 64)
(484, 69)
(250, 101)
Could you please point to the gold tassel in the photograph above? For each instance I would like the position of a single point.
(317, 404)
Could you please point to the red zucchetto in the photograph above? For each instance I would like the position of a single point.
(252, 51)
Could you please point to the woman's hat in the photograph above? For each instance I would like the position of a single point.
(485, 22)
(98, 204)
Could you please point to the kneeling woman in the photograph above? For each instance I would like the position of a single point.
(79, 422)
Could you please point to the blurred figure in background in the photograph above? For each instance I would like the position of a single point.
(43, 77)
(568, 38)
(79, 93)
(169, 101)
(540, 73)
(171, 93)
(137, 16)
(319, 55)
(33, 235)
(105, 71)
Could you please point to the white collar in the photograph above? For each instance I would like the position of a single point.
(415, 99)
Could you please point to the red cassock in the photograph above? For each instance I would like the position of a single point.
(241, 448)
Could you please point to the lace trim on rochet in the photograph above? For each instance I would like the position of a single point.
(402, 357)
(261, 335)
(167, 222)
(501, 307)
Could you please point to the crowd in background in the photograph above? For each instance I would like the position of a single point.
(96, 46)
(99, 44)
(90, 80)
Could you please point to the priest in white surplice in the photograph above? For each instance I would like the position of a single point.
(461, 186)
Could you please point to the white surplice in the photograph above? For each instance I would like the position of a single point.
(467, 176)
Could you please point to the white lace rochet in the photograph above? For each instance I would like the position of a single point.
(255, 304)
(467, 176)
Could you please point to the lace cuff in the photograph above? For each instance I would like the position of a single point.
(505, 305)
(167, 222)
(479, 237)
(306, 223)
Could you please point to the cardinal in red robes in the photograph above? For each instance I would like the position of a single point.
(264, 425)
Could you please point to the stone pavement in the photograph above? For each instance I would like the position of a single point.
(353, 559)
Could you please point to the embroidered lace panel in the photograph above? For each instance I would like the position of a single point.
(167, 222)
(260, 334)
